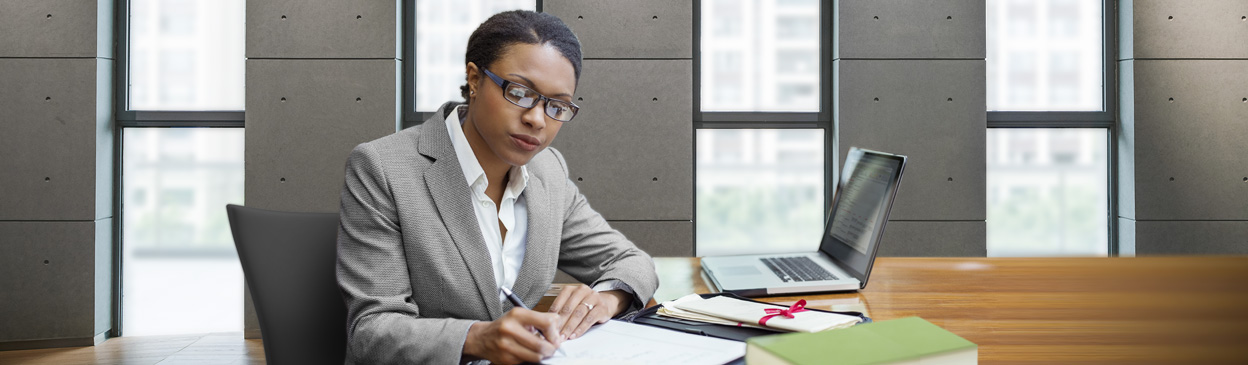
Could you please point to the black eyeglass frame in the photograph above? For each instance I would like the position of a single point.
(550, 112)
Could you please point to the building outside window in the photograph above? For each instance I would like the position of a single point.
(183, 60)
(760, 183)
(1048, 183)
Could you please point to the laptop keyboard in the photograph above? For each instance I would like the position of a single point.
(799, 268)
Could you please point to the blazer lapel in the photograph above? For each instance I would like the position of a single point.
(542, 249)
(445, 180)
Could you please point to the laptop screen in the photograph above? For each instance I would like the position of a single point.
(860, 209)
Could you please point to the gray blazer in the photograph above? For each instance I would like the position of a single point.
(413, 267)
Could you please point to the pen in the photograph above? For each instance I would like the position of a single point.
(511, 297)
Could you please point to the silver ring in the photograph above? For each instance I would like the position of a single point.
(591, 306)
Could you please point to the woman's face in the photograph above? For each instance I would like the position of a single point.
(516, 134)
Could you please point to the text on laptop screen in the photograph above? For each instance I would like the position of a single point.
(862, 202)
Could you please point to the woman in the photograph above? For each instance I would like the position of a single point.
(436, 218)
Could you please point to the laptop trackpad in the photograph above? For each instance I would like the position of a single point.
(741, 270)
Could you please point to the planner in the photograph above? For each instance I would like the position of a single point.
(672, 309)
(794, 318)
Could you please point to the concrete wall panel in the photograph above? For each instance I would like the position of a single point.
(630, 150)
(1191, 238)
(1126, 139)
(659, 238)
(105, 127)
(931, 111)
(103, 276)
(1189, 131)
(945, 239)
(56, 28)
(47, 275)
(56, 154)
(329, 107)
(56, 143)
(909, 29)
(328, 29)
(628, 29)
(1185, 29)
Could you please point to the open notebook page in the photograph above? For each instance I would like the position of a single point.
(617, 342)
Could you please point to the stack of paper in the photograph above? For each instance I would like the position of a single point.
(735, 312)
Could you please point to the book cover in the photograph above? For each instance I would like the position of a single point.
(906, 340)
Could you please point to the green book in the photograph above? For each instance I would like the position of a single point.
(910, 340)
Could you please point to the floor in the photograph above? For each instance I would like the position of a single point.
(212, 348)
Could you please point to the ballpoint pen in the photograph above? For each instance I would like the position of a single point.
(511, 297)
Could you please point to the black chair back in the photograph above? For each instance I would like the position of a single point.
(288, 260)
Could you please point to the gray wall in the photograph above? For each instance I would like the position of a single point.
(320, 80)
(56, 158)
(1183, 105)
(630, 151)
(56, 131)
(910, 79)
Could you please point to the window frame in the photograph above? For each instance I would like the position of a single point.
(1103, 119)
(124, 118)
(127, 118)
(769, 119)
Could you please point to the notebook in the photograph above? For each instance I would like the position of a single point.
(909, 340)
(672, 309)
(752, 313)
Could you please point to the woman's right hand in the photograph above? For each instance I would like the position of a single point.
(511, 340)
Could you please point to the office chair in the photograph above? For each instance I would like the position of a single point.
(288, 260)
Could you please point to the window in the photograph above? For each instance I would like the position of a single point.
(442, 30)
(1045, 55)
(182, 65)
(758, 186)
(763, 130)
(186, 55)
(181, 273)
(1051, 124)
(1047, 192)
(760, 55)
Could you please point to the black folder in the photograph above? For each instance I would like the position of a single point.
(651, 317)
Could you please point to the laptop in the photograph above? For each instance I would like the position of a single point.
(851, 237)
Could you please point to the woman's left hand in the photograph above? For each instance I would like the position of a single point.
(580, 307)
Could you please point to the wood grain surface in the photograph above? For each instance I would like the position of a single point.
(1183, 310)
(1049, 310)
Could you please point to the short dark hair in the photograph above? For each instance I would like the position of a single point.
(491, 39)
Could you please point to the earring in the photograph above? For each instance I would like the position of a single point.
(472, 92)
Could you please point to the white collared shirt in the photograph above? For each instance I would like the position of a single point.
(506, 255)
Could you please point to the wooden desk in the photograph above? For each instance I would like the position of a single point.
(1050, 310)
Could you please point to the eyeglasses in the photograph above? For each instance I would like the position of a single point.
(524, 97)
